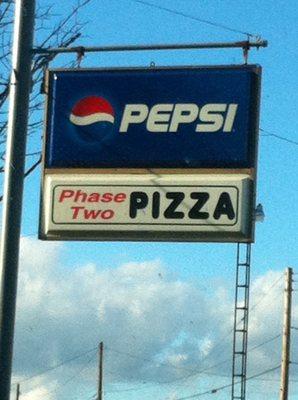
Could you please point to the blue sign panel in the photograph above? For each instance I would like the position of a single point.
(202, 117)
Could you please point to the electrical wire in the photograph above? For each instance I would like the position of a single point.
(58, 365)
(34, 153)
(167, 365)
(92, 397)
(223, 339)
(216, 390)
(266, 293)
(28, 172)
(195, 373)
(204, 21)
(263, 344)
(183, 378)
(220, 342)
(265, 134)
(59, 386)
(268, 133)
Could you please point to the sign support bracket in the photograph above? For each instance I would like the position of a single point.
(81, 50)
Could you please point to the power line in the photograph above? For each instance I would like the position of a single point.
(267, 292)
(28, 172)
(268, 133)
(215, 390)
(32, 154)
(59, 386)
(204, 21)
(92, 397)
(263, 344)
(194, 373)
(163, 364)
(256, 304)
(203, 371)
(220, 342)
(58, 365)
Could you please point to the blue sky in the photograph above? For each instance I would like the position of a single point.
(130, 22)
(204, 272)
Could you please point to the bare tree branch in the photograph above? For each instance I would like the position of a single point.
(28, 172)
(65, 32)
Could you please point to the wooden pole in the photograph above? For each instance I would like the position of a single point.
(285, 362)
(100, 372)
(18, 392)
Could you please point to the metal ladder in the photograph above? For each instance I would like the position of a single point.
(241, 321)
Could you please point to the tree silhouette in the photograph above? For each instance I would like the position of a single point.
(51, 30)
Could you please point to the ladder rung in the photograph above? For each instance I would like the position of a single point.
(241, 308)
(244, 286)
(240, 330)
(244, 264)
(240, 352)
(239, 375)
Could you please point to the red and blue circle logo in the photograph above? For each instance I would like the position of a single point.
(90, 110)
(94, 117)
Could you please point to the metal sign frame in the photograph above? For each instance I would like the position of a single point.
(147, 235)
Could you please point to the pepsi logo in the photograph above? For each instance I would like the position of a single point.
(160, 117)
(90, 110)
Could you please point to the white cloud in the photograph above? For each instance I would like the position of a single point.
(37, 393)
(155, 328)
(173, 396)
(38, 388)
(40, 392)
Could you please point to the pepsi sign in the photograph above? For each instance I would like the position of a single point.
(200, 117)
(157, 154)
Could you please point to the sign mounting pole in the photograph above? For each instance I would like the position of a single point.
(20, 85)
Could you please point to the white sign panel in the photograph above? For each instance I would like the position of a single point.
(140, 207)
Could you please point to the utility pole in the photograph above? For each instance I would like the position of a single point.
(100, 372)
(18, 392)
(20, 86)
(286, 339)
